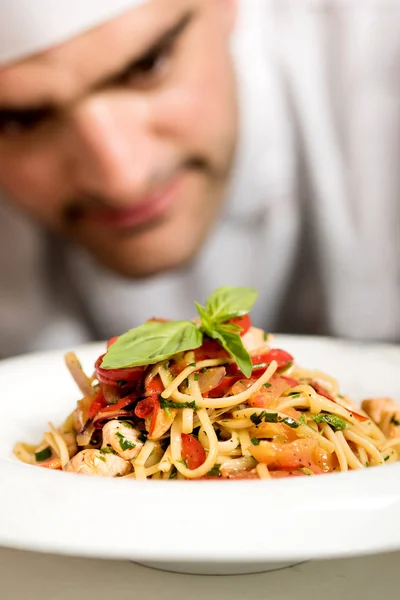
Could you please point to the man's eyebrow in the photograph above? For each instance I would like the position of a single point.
(41, 111)
(164, 39)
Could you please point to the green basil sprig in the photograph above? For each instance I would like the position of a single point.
(154, 342)
(224, 304)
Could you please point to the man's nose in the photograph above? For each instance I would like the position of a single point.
(111, 152)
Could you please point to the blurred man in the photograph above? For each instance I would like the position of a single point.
(158, 154)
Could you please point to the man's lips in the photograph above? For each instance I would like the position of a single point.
(149, 208)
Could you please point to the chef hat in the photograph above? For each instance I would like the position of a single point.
(31, 26)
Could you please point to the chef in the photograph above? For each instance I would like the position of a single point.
(151, 151)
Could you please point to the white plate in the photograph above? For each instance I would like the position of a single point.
(199, 527)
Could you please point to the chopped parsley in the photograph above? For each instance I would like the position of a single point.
(173, 474)
(267, 385)
(196, 376)
(303, 419)
(394, 421)
(126, 424)
(192, 364)
(166, 404)
(255, 441)
(108, 450)
(386, 458)
(121, 382)
(103, 458)
(295, 394)
(290, 422)
(142, 438)
(168, 412)
(215, 471)
(43, 454)
(266, 336)
(124, 443)
(264, 416)
(267, 417)
(336, 423)
(184, 463)
(367, 464)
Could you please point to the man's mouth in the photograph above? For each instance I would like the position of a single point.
(141, 213)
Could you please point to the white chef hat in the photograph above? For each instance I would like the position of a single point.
(31, 26)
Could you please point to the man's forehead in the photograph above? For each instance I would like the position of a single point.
(89, 57)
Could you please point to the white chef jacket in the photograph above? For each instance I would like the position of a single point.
(311, 218)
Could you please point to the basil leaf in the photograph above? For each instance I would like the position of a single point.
(206, 322)
(232, 343)
(152, 342)
(229, 302)
(336, 423)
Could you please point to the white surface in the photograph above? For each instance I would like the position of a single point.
(316, 517)
(25, 576)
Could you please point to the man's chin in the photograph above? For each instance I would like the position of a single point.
(139, 265)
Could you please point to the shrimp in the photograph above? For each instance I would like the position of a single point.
(385, 412)
(96, 462)
(122, 438)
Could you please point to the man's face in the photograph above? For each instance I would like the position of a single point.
(123, 138)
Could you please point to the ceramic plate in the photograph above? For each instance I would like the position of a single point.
(202, 526)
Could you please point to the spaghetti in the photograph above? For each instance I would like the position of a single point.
(195, 415)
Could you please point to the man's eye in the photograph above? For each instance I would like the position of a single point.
(150, 70)
(23, 123)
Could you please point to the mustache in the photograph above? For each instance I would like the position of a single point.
(76, 207)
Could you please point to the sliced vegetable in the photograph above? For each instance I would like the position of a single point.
(43, 454)
(210, 379)
(97, 405)
(193, 452)
(131, 376)
(244, 324)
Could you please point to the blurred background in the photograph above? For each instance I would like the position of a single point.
(147, 158)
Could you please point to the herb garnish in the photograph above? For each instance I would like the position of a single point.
(215, 471)
(303, 419)
(43, 454)
(124, 443)
(255, 441)
(108, 450)
(267, 417)
(264, 416)
(169, 404)
(394, 421)
(336, 423)
(153, 342)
